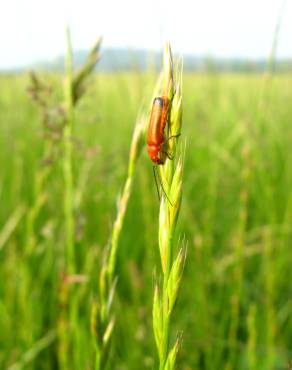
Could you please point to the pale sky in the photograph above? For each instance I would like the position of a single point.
(33, 30)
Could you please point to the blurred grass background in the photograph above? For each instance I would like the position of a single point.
(235, 305)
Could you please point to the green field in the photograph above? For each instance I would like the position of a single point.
(235, 304)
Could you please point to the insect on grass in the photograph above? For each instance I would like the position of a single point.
(156, 140)
(155, 136)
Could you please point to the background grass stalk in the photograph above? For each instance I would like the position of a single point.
(238, 273)
(102, 318)
(67, 163)
(74, 88)
(64, 295)
(252, 337)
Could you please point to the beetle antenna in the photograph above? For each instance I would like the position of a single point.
(156, 183)
(163, 190)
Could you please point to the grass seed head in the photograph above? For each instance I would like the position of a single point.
(157, 319)
(171, 358)
(167, 72)
(174, 280)
(176, 112)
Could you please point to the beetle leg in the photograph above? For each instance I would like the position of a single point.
(173, 136)
(168, 155)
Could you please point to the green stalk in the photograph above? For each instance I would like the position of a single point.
(102, 318)
(68, 212)
(238, 273)
(67, 162)
(74, 89)
(270, 316)
(252, 336)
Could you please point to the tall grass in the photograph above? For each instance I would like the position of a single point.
(236, 216)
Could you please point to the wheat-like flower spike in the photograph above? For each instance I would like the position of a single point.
(80, 77)
(170, 174)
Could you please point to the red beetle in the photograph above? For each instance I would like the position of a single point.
(155, 135)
